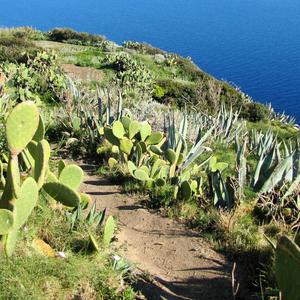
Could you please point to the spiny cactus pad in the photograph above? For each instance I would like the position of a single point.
(185, 190)
(156, 150)
(287, 268)
(10, 241)
(72, 176)
(112, 162)
(126, 122)
(41, 162)
(62, 193)
(118, 129)
(85, 200)
(160, 182)
(170, 156)
(26, 202)
(134, 128)
(12, 186)
(154, 138)
(61, 166)
(40, 132)
(131, 168)
(108, 133)
(109, 229)
(21, 126)
(126, 145)
(51, 177)
(145, 130)
(6, 221)
(141, 175)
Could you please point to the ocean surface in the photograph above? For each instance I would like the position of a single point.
(254, 44)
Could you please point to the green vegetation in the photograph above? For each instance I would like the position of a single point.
(200, 149)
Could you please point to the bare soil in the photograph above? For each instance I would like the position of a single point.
(180, 264)
(83, 73)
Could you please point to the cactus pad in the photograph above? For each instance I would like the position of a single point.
(170, 156)
(85, 200)
(118, 129)
(145, 130)
(21, 126)
(131, 167)
(61, 166)
(6, 221)
(109, 229)
(126, 122)
(154, 138)
(72, 176)
(41, 162)
(185, 190)
(108, 133)
(126, 146)
(287, 268)
(10, 241)
(156, 150)
(134, 128)
(112, 162)
(62, 193)
(26, 202)
(160, 182)
(40, 132)
(141, 175)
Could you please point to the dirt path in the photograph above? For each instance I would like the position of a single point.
(180, 263)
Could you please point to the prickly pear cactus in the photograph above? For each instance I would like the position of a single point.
(287, 268)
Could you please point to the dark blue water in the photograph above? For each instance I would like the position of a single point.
(253, 43)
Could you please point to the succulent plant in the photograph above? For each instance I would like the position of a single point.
(287, 261)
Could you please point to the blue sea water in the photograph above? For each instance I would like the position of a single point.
(253, 43)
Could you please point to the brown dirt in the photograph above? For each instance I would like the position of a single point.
(180, 263)
(83, 73)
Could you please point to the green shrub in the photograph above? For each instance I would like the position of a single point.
(142, 48)
(254, 111)
(72, 36)
(175, 92)
(15, 49)
(159, 92)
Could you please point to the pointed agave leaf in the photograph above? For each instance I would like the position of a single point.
(197, 149)
(291, 189)
(278, 174)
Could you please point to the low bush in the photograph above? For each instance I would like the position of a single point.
(74, 37)
(254, 111)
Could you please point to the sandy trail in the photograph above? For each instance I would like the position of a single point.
(181, 264)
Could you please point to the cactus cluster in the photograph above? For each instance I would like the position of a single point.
(29, 152)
